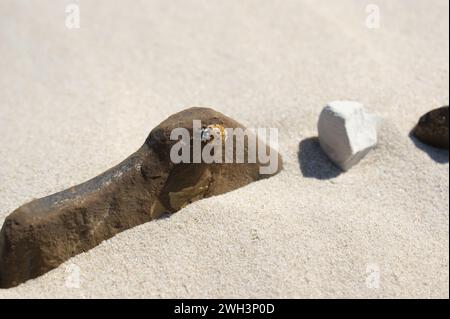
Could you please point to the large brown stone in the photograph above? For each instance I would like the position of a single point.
(432, 128)
(44, 233)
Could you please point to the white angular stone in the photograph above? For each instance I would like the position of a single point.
(346, 132)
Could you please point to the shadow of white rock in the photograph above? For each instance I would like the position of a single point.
(347, 132)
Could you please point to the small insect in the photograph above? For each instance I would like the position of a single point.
(209, 132)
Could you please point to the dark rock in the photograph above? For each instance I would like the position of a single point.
(44, 233)
(432, 128)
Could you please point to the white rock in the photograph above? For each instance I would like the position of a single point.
(346, 132)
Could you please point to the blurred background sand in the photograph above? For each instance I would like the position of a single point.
(74, 102)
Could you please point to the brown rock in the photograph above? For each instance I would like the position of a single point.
(432, 128)
(44, 233)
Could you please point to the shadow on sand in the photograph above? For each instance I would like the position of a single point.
(313, 162)
(438, 155)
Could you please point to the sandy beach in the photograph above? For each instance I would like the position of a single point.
(75, 102)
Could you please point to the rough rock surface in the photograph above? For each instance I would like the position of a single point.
(432, 128)
(44, 233)
(346, 132)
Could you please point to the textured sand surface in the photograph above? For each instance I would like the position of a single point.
(75, 102)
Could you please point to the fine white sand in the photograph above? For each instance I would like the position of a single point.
(74, 102)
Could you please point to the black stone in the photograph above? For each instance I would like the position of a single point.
(432, 128)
